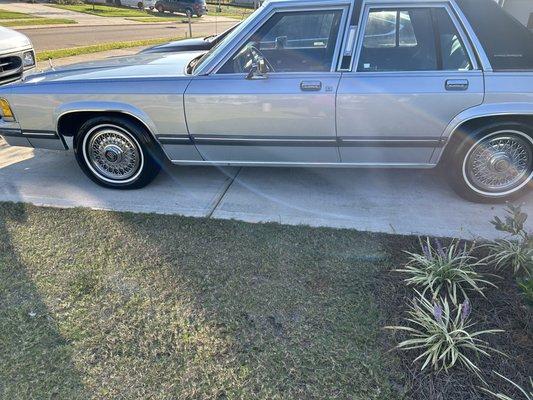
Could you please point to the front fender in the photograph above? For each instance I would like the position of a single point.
(105, 106)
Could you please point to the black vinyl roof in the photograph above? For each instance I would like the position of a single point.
(508, 43)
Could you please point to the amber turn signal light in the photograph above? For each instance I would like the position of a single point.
(5, 110)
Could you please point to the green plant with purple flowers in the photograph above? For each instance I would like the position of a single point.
(445, 271)
(446, 337)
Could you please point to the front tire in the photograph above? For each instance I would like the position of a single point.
(494, 164)
(116, 153)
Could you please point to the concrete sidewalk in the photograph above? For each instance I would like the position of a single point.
(391, 201)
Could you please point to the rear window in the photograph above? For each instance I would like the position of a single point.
(508, 43)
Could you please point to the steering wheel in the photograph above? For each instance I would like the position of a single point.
(248, 56)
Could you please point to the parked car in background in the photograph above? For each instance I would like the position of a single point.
(195, 44)
(16, 55)
(311, 83)
(187, 7)
(140, 4)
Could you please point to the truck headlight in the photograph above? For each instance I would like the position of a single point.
(5, 111)
(28, 59)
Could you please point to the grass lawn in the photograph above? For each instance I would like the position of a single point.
(76, 51)
(106, 305)
(110, 305)
(36, 21)
(4, 14)
(8, 18)
(230, 11)
(104, 10)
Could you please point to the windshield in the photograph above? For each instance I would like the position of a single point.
(211, 54)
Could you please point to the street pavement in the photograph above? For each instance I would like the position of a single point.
(93, 29)
(376, 200)
(76, 36)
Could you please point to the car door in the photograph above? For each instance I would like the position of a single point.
(285, 116)
(414, 71)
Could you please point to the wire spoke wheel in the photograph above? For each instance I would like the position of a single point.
(113, 154)
(500, 163)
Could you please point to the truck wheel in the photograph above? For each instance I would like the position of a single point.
(140, 5)
(116, 153)
(494, 164)
(160, 8)
(189, 13)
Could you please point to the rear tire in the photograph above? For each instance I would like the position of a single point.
(494, 163)
(160, 8)
(117, 153)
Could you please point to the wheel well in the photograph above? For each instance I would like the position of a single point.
(466, 129)
(69, 124)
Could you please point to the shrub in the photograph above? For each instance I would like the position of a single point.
(517, 251)
(517, 255)
(445, 340)
(445, 271)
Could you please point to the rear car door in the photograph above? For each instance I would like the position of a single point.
(288, 116)
(414, 71)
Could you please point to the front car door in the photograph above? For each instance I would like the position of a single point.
(285, 117)
(414, 71)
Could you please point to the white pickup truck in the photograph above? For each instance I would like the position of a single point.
(16, 55)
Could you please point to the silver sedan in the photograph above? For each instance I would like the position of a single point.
(311, 83)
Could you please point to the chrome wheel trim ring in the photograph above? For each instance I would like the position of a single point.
(508, 161)
(113, 154)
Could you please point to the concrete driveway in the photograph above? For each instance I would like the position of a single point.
(393, 201)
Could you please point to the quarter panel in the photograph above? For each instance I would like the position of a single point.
(514, 87)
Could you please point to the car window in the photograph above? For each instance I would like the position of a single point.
(381, 30)
(415, 39)
(291, 42)
(453, 52)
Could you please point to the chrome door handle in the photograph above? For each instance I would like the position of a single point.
(457, 84)
(311, 86)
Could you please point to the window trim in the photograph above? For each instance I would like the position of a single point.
(399, 6)
(338, 45)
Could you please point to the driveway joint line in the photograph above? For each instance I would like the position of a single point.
(224, 192)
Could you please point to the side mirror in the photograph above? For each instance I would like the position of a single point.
(259, 70)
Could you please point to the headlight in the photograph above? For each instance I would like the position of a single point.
(28, 59)
(5, 110)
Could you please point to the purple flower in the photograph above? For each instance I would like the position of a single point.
(440, 249)
(466, 309)
(437, 312)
